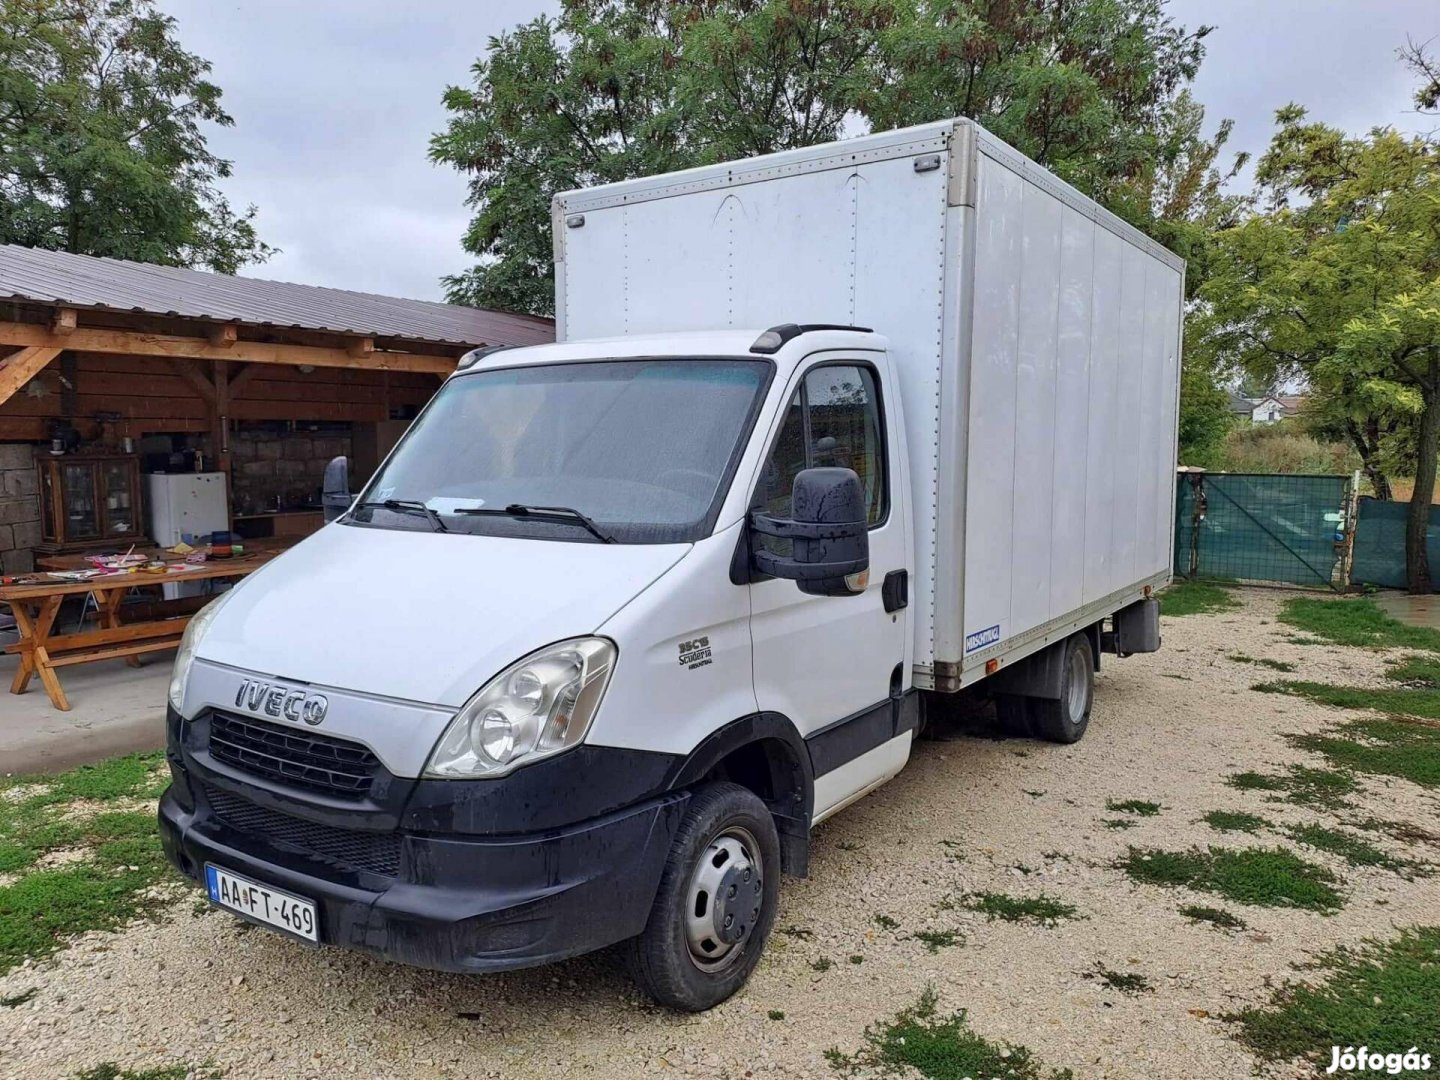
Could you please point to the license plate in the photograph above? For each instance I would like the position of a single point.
(263, 903)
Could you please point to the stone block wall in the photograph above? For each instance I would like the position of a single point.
(19, 508)
(264, 464)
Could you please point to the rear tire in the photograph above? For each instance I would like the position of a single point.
(716, 903)
(1065, 719)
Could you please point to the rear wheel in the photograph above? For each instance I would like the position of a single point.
(716, 902)
(1065, 719)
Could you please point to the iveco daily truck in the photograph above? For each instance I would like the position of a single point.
(827, 436)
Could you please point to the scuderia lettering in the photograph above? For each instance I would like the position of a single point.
(696, 653)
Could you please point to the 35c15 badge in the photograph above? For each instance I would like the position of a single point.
(695, 654)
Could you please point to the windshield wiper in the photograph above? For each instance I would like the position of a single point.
(563, 513)
(409, 506)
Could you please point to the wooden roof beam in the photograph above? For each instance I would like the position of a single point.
(19, 368)
(135, 343)
(64, 322)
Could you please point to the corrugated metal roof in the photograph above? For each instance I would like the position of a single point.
(84, 281)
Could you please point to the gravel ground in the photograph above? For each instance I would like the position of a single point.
(1013, 815)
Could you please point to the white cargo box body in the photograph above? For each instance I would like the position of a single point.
(1036, 336)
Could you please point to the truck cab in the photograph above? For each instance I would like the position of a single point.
(462, 727)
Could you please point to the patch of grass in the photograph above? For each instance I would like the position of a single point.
(120, 856)
(1139, 807)
(776, 1014)
(1132, 983)
(1117, 823)
(1301, 639)
(856, 958)
(1195, 598)
(995, 905)
(1357, 622)
(1263, 661)
(940, 1047)
(1402, 700)
(821, 963)
(14, 1001)
(108, 1070)
(1352, 849)
(1302, 785)
(885, 922)
(800, 933)
(1381, 995)
(1215, 916)
(1383, 747)
(935, 940)
(1416, 670)
(1235, 821)
(1259, 877)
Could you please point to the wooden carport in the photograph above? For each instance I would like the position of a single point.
(106, 349)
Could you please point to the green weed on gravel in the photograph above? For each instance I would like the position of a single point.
(1352, 849)
(1262, 661)
(1195, 598)
(995, 905)
(1416, 670)
(1356, 622)
(1131, 983)
(1404, 700)
(1385, 747)
(1381, 995)
(1117, 823)
(935, 940)
(1302, 785)
(940, 1047)
(1235, 821)
(1258, 877)
(108, 1070)
(1217, 917)
(119, 856)
(1139, 807)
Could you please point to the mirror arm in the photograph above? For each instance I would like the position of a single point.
(786, 529)
(775, 566)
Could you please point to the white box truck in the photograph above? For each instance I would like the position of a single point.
(829, 436)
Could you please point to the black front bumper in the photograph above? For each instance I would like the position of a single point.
(454, 902)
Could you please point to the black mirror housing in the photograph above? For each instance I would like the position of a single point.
(828, 530)
(335, 497)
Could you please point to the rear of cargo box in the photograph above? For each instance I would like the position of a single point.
(1062, 508)
(1035, 337)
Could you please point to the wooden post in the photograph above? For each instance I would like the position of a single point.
(220, 427)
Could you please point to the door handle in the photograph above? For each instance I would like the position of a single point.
(895, 592)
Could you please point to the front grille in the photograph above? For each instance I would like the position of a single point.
(299, 758)
(376, 852)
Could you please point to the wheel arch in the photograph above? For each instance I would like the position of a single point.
(764, 753)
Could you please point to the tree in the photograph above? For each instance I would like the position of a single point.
(1333, 277)
(101, 148)
(614, 89)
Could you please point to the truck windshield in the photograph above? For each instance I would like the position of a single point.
(642, 448)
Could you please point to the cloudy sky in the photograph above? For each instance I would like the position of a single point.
(335, 100)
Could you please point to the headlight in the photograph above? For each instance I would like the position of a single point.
(536, 707)
(185, 657)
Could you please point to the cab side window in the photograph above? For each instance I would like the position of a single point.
(833, 420)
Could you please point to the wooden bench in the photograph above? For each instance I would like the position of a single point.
(36, 607)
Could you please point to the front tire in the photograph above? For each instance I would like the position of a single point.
(716, 903)
(1065, 719)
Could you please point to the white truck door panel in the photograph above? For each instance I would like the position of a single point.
(821, 659)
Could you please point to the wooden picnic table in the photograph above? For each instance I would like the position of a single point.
(35, 607)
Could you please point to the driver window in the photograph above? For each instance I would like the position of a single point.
(833, 419)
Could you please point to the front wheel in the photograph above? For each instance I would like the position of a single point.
(716, 902)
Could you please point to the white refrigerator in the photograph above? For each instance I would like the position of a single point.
(185, 504)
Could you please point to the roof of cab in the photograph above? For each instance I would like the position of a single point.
(697, 344)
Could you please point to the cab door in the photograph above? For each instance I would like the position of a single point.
(835, 664)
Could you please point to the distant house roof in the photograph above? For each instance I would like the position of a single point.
(84, 281)
(1241, 405)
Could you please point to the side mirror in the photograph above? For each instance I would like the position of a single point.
(335, 495)
(831, 538)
